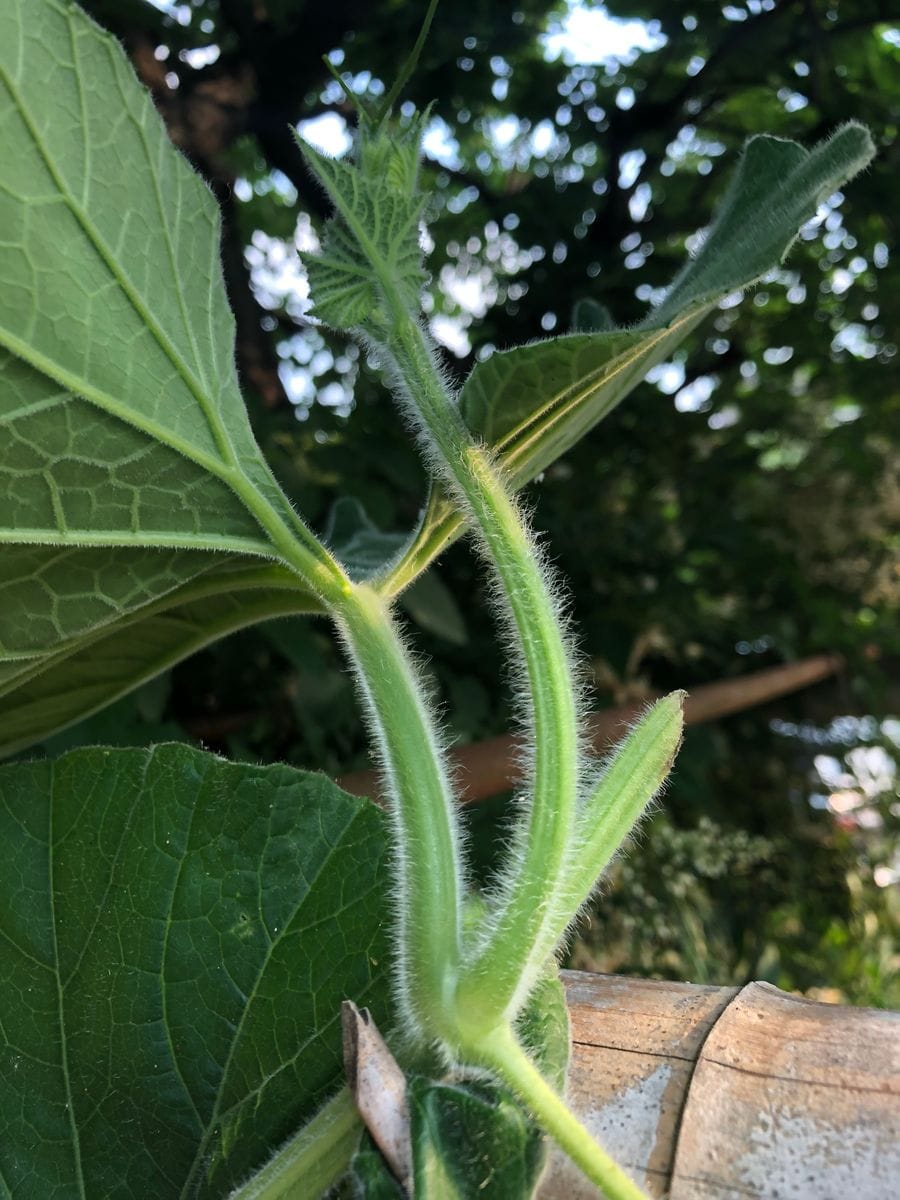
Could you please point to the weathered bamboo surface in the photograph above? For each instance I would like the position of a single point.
(714, 1093)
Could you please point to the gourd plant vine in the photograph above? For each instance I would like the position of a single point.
(138, 521)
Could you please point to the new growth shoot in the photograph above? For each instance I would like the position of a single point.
(466, 993)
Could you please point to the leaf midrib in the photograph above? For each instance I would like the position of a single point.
(217, 1112)
(216, 427)
(60, 990)
(80, 387)
(169, 921)
(88, 539)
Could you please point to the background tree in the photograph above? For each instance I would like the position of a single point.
(740, 511)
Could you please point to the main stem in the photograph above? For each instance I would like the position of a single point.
(427, 850)
(504, 967)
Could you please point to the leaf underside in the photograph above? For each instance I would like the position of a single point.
(534, 402)
(128, 469)
(177, 935)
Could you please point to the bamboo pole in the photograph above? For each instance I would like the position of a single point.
(720, 1093)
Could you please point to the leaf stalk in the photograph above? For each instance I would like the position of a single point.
(427, 844)
(311, 1161)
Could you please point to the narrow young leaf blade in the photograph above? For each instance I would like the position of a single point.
(178, 934)
(631, 777)
(532, 403)
(776, 188)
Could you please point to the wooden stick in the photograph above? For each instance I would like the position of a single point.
(486, 768)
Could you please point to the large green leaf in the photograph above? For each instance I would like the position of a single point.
(127, 464)
(176, 936)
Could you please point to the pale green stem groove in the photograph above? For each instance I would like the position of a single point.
(311, 1161)
(503, 1054)
(505, 966)
(428, 853)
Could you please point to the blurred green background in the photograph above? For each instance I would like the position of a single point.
(741, 510)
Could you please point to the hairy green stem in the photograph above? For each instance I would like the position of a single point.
(507, 959)
(502, 1053)
(505, 965)
(314, 1159)
(427, 849)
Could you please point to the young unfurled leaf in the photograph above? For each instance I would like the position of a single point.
(375, 234)
(178, 935)
(776, 188)
(534, 402)
(629, 781)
